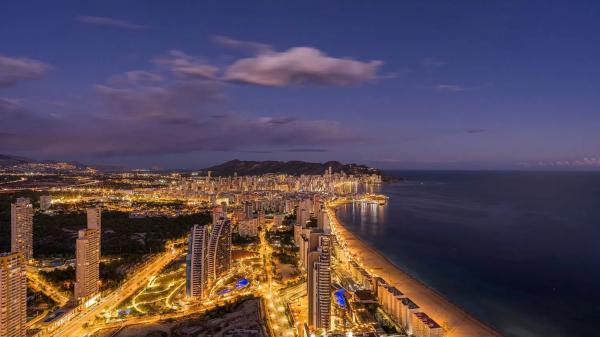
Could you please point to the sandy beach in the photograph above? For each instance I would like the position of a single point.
(457, 322)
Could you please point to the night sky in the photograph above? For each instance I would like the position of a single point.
(395, 84)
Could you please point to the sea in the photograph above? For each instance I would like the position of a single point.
(519, 250)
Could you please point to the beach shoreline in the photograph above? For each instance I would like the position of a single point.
(456, 321)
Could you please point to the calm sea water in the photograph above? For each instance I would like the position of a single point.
(520, 250)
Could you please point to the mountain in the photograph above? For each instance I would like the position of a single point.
(6, 160)
(16, 162)
(294, 167)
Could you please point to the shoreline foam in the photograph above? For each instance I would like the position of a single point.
(456, 320)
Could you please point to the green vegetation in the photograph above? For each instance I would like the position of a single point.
(63, 278)
(287, 258)
(284, 238)
(54, 235)
(120, 234)
(243, 240)
(227, 308)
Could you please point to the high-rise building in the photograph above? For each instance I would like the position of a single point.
(87, 254)
(94, 217)
(13, 295)
(21, 228)
(218, 212)
(323, 219)
(219, 249)
(303, 212)
(319, 284)
(197, 262)
(45, 202)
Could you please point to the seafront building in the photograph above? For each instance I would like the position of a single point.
(319, 284)
(197, 263)
(13, 295)
(87, 254)
(219, 249)
(21, 227)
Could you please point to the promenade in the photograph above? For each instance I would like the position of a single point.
(456, 321)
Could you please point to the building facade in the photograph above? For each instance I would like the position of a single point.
(87, 255)
(219, 249)
(13, 295)
(319, 284)
(197, 263)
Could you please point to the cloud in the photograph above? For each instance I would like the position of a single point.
(108, 22)
(449, 88)
(172, 102)
(10, 108)
(306, 150)
(181, 106)
(183, 64)
(137, 77)
(13, 70)
(272, 120)
(255, 47)
(301, 65)
(587, 162)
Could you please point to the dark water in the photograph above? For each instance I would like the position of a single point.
(520, 250)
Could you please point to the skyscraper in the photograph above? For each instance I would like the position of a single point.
(197, 263)
(219, 249)
(319, 284)
(323, 219)
(13, 295)
(94, 217)
(21, 228)
(88, 257)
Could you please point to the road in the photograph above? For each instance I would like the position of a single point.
(147, 319)
(278, 322)
(77, 326)
(39, 284)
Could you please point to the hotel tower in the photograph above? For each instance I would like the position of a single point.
(319, 284)
(219, 249)
(21, 228)
(197, 263)
(88, 257)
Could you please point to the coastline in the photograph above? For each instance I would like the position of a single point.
(455, 320)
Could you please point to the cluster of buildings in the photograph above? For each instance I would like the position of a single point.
(313, 238)
(400, 309)
(13, 266)
(239, 204)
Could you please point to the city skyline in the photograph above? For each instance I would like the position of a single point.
(432, 85)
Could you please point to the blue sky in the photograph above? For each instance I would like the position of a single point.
(396, 84)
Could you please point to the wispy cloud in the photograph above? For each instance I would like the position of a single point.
(587, 162)
(108, 22)
(255, 47)
(450, 88)
(183, 64)
(164, 111)
(13, 70)
(307, 150)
